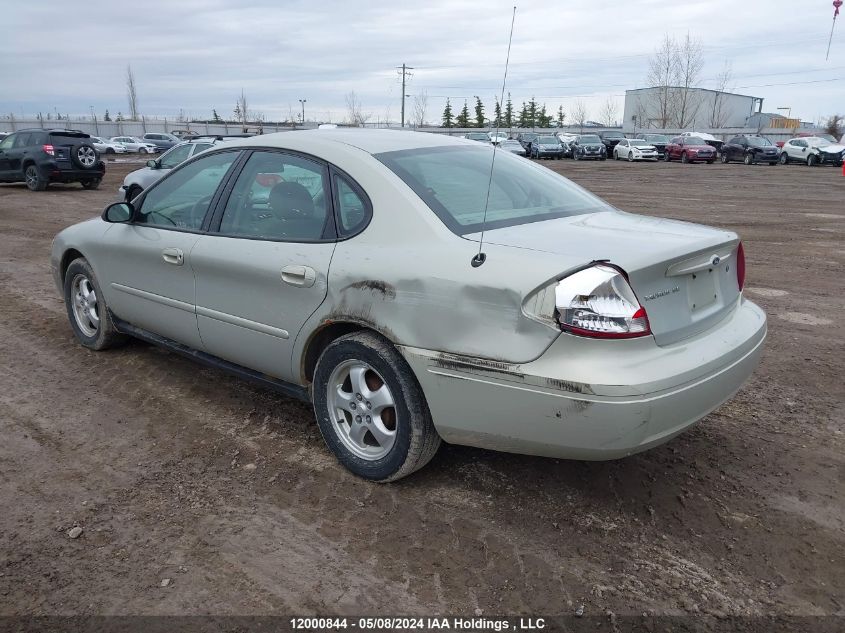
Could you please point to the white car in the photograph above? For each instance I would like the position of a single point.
(812, 150)
(107, 147)
(497, 138)
(634, 149)
(134, 144)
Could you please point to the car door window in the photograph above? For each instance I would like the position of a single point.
(353, 207)
(278, 196)
(181, 200)
(7, 142)
(22, 140)
(175, 156)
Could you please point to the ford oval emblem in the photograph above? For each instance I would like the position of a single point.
(716, 259)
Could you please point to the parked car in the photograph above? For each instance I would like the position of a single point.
(588, 147)
(107, 147)
(40, 157)
(750, 149)
(477, 136)
(690, 149)
(162, 141)
(3, 135)
(546, 147)
(592, 334)
(812, 150)
(660, 141)
(525, 139)
(497, 137)
(633, 149)
(709, 139)
(513, 146)
(565, 139)
(134, 144)
(135, 182)
(610, 139)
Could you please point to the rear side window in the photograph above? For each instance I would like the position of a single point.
(68, 139)
(7, 142)
(22, 139)
(352, 204)
(175, 156)
(453, 182)
(201, 147)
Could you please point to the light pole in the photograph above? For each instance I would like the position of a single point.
(302, 101)
(94, 116)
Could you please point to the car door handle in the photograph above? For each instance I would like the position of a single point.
(173, 256)
(301, 276)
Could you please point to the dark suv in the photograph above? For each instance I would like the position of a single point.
(610, 140)
(750, 149)
(39, 157)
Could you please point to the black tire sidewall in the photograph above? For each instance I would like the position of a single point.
(338, 352)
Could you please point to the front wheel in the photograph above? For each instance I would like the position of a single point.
(666, 157)
(630, 157)
(371, 410)
(784, 159)
(725, 159)
(812, 160)
(86, 308)
(749, 159)
(142, 150)
(684, 158)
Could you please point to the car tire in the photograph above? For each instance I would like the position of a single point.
(630, 157)
(84, 156)
(772, 164)
(710, 162)
(93, 183)
(684, 158)
(749, 159)
(33, 178)
(400, 438)
(109, 150)
(812, 160)
(133, 192)
(784, 159)
(577, 156)
(615, 155)
(725, 158)
(666, 157)
(87, 310)
(142, 150)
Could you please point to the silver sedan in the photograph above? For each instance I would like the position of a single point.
(413, 296)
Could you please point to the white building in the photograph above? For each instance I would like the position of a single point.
(686, 108)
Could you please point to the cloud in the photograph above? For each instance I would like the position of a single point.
(197, 55)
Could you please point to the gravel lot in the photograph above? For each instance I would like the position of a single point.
(224, 493)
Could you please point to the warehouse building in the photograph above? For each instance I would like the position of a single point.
(673, 107)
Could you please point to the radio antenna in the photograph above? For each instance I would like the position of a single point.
(481, 257)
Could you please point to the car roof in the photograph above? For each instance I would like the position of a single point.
(370, 141)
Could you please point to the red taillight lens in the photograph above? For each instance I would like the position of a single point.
(740, 266)
(49, 149)
(599, 302)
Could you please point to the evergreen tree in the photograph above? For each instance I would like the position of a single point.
(106, 116)
(448, 119)
(543, 119)
(532, 113)
(560, 116)
(215, 117)
(479, 112)
(462, 119)
(497, 111)
(119, 116)
(237, 112)
(509, 112)
(524, 119)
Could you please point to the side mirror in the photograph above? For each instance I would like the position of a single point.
(153, 164)
(119, 212)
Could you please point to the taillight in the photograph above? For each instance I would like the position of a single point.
(599, 302)
(740, 266)
(49, 149)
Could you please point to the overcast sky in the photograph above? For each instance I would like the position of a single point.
(196, 55)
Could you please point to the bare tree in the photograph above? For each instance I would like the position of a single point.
(719, 115)
(662, 71)
(578, 113)
(241, 111)
(131, 93)
(835, 125)
(609, 115)
(354, 113)
(690, 58)
(419, 106)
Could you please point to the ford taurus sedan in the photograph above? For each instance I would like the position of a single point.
(374, 274)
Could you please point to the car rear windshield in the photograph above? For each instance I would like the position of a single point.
(453, 182)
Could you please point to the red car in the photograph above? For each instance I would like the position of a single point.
(689, 149)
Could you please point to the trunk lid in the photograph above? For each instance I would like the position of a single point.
(683, 274)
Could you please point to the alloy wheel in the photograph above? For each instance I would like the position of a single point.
(87, 156)
(362, 410)
(85, 309)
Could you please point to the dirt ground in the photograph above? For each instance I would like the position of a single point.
(183, 473)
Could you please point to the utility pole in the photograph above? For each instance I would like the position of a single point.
(302, 101)
(405, 73)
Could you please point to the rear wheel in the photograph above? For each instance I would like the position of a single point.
(93, 183)
(33, 178)
(370, 409)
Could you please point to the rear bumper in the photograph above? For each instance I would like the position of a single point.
(55, 173)
(587, 399)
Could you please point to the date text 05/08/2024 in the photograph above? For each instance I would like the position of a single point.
(417, 624)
